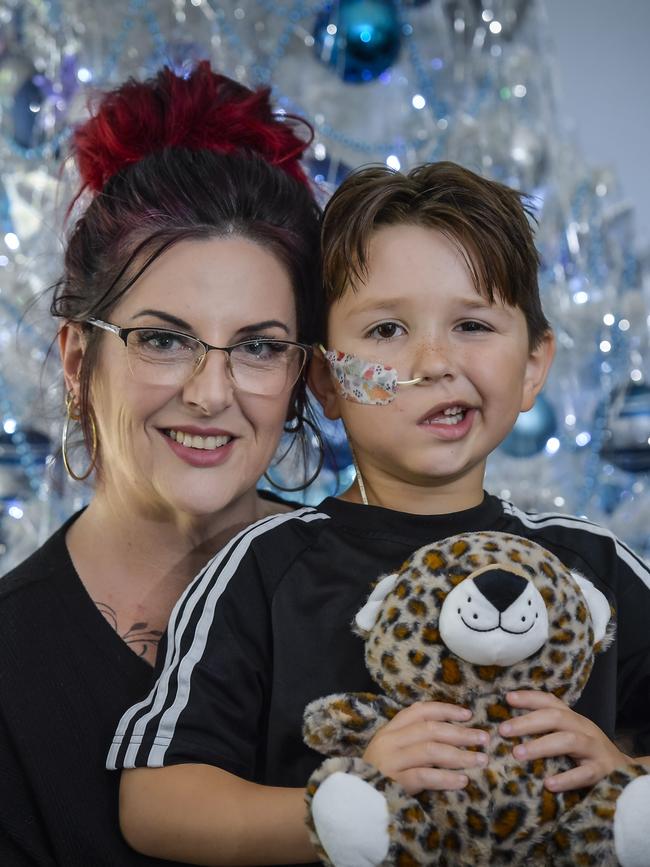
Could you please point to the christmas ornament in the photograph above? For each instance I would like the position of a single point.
(23, 93)
(360, 39)
(327, 170)
(627, 436)
(338, 456)
(5, 211)
(19, 451)
(532, 430)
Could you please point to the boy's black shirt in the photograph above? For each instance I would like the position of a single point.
(244, 656)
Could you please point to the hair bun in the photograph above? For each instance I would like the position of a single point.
(204, 111)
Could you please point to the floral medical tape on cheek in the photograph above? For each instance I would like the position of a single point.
(369, 382)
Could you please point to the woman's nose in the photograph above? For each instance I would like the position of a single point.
(211, 387)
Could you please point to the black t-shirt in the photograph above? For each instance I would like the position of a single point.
(265, 629)
(66, 677)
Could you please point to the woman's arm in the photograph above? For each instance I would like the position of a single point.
(204, 815)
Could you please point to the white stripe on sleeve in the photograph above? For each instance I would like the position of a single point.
(227, 561)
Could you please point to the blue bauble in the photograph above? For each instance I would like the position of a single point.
(337, 454)
(363, 39)
(328, 171)
(19, 450)
(5, 211)
(23, 93)
(532, 430)
(626, 442)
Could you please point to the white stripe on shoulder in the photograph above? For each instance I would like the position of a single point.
(198, 582)
(227, 561)
(535, 520)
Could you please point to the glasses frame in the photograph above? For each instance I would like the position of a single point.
(123, 334)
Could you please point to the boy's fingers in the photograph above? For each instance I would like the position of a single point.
(418, 779)
(554, 744)
(533, 699)
(576, 778)
(439, 732)
(537, 722)
(435, 755)
(429, 710)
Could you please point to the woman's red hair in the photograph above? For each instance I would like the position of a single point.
(203, 111)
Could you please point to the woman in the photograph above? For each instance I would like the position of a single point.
(188, 303)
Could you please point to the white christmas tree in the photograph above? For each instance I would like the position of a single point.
(380, 81)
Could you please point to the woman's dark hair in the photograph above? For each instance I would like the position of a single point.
(172, 159)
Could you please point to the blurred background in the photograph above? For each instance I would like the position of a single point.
(549, 97)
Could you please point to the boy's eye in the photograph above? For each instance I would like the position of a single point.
(473, 325)
(387, 331)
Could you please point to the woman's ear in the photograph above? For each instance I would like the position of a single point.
(321, 382)
(72, 345)
(537, 368)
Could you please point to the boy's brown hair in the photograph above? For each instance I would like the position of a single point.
(487, 220)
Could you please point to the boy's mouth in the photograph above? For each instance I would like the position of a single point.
(451, 415)
(195, 441)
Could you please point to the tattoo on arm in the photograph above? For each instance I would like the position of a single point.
(140, 637)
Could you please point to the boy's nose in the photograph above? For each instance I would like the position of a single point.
(433, 361)
(211, 388)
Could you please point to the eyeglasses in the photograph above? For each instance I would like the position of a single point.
(159, 356)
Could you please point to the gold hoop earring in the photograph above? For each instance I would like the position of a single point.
(73, 414)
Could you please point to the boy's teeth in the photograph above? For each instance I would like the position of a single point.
(198, 442)
(452, 415)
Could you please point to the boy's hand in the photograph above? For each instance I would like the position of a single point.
(564, 733)
(422, 748)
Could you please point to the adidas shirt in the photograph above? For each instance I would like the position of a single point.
(265, 628)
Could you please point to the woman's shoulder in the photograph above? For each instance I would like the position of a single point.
(38, 568)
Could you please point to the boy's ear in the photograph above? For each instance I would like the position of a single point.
(537, 368)
(72, 345)
(321, 382)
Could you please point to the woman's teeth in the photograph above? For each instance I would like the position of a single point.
(452, 415)
(197, 442)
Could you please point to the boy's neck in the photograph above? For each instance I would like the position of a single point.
(418, 499)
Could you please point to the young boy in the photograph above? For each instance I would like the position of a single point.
(434, 275)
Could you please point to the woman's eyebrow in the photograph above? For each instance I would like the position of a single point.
(167, 317)
(253, 328)
(260, 326)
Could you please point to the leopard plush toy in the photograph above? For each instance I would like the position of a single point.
(464, 621)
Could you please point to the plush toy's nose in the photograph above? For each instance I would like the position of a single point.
(500, 587)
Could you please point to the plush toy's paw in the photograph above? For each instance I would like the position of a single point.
(632, 824)
(345, 723)
(349, 817)
(610, 825)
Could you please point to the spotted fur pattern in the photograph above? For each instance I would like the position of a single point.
(505, 815)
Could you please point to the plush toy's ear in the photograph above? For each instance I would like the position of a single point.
(366, 617)
(599, 609)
